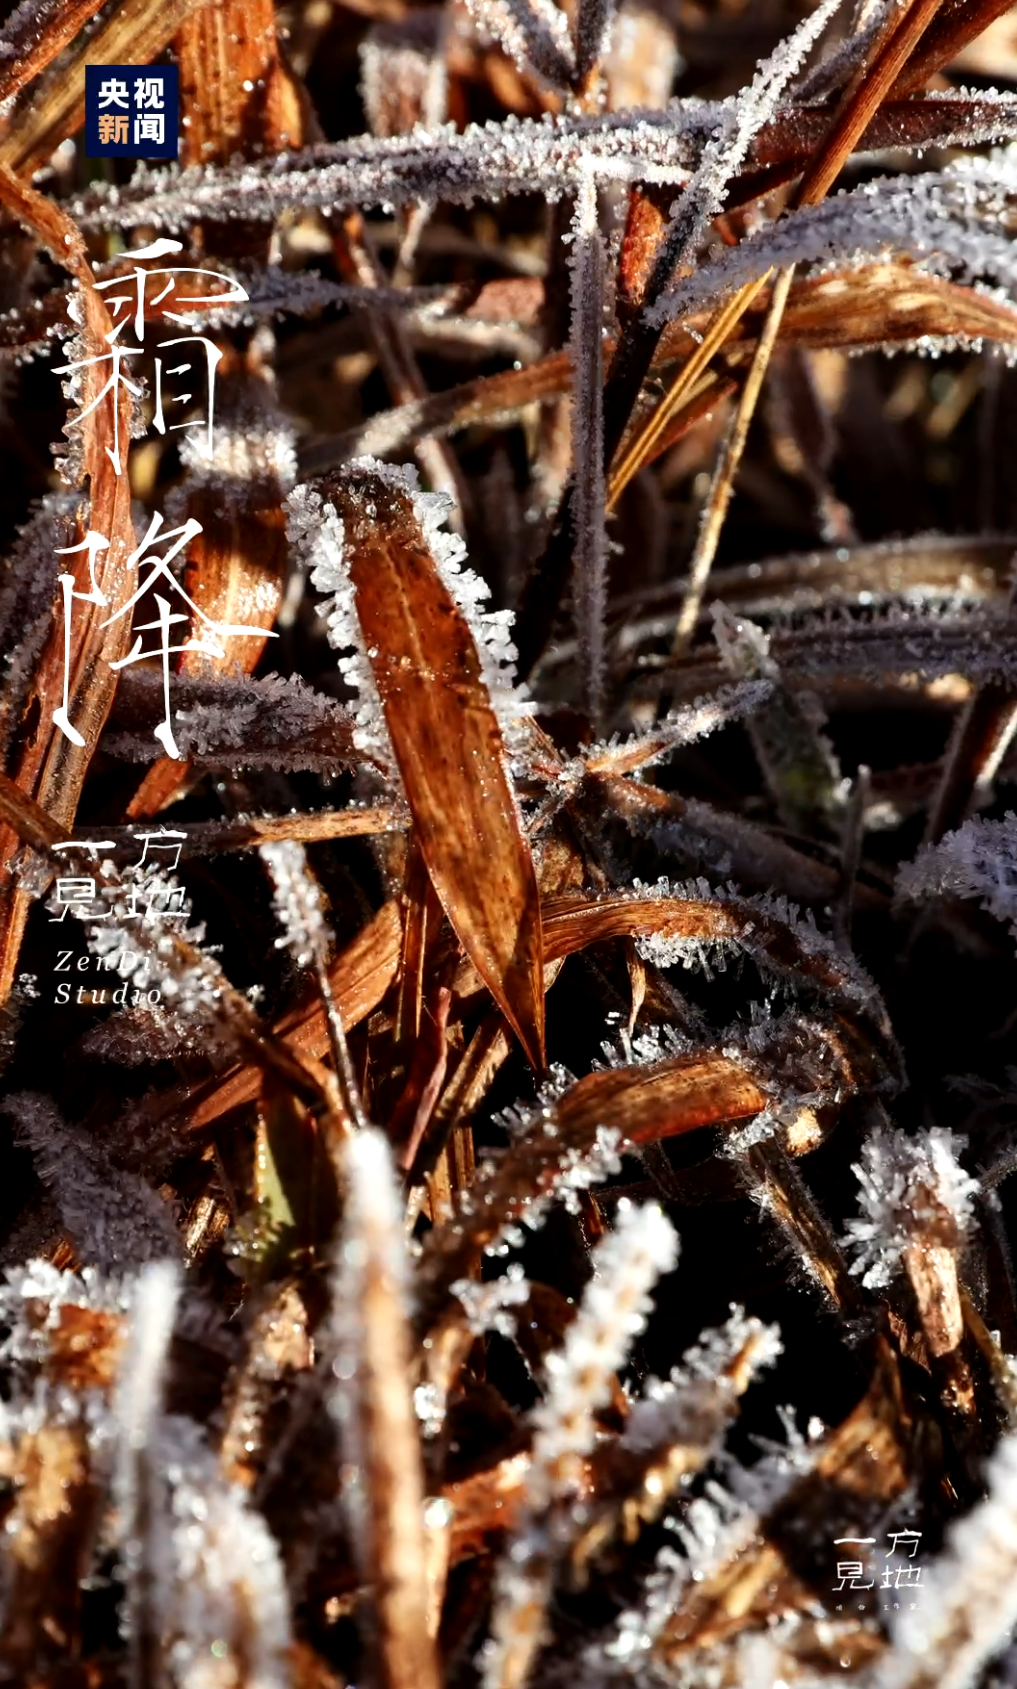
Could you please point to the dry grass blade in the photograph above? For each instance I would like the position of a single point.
(134, 33)
(663, 1100)
(50, 766)
(719, 497)
(236, 92)
(570, 924)
(358, 978)
(640, 449)
(377, 1418)
(858, 1472)
(59, 28)
(448, 747)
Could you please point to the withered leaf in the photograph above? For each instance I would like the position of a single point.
(133, 33)
(360, 976)
(662, 1100)
(50, 766)
(448, 747)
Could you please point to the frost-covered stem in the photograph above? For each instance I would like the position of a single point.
(722, 485)
(916, 1214)
(781, 1191)
(588, 504)
(969, 1604)
(384, 1482)
(626, 1264)
(590, 32)
(699, 201)
(341, 1058)
(299, 909)
(137, 1405)
(932, 1272)
(398, 360)
(796, 761)
(298, 906)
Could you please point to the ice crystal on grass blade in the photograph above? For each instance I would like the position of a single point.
(725, 152)
(114, 1217)
(373, 1403)
(220, 1591)
(488, 1306)
(578, 1379)
(616, 1301)
(969, 1605)
(914, 1194)
(207, 1606)
(587, 264)
(230, 723)
(533, 33)
(978, 860)
(316, 532)
(951, 222)
(297, 902)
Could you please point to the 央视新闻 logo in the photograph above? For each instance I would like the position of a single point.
(131, 111)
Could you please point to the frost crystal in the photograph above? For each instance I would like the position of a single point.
(488, 1305)
(693, 1406)
(533, 33)
(626, 1264)
(978, 860)
(316, 534)
(913, 1192)
(297, 902)
(586, 346)
(969, 1604)
(615, 1303)
(114, 1217)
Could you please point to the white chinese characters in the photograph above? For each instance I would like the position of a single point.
(855, 1576)
(130, 304)
(150, 898)
(153, 571)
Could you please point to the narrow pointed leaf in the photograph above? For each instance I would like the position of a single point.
(448, 746)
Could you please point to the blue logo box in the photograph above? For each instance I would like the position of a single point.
(131, 111)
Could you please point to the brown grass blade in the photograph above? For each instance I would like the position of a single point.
(207, 838)
(487, 398)
(862, 1468)
(448, 746)
(870, 86)
(647, 1104)
(49, 766)
(796, 131)
(237, 95)
(891, 303)
(640, 1104)
(132, 35)
(641, 447)
(359, 977)
(60, 28)
(378, 1423)
(572, 923)
(958, 23)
